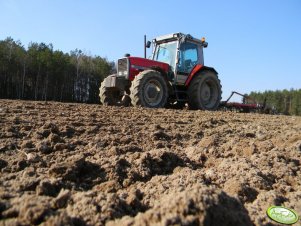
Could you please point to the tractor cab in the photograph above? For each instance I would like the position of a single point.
(182, 52)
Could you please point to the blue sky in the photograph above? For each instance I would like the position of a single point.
(255, 45)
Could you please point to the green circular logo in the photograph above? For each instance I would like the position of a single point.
(282, 215)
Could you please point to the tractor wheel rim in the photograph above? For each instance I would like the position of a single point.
(209, 93)
(205, 93)
(153, 92)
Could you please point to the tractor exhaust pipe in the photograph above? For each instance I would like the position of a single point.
(145, 46)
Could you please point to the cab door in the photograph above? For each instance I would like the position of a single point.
(190, 54)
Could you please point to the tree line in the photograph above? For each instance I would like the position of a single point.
(39, 72)
(286, 102)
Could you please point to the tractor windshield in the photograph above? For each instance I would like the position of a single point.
(166, 52)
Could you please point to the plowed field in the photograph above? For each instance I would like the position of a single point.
(79, 164)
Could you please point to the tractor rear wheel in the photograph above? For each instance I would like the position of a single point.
(113, 97)
(149, 89)
(204, 91)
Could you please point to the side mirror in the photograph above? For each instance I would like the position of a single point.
(148, 44)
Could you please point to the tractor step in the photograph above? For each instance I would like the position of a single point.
(180, 95)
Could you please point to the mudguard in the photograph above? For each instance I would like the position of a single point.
(197, 68)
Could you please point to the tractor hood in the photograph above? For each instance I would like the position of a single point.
(132, 66)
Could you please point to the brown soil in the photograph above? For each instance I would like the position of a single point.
(78, 164)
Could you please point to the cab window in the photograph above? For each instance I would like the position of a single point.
(188, 57)
(166, 52)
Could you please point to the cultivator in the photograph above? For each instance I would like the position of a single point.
(248, 104)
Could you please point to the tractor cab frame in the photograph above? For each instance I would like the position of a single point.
(182, 52)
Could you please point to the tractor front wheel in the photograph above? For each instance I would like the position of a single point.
(149, 89)
(204, 91)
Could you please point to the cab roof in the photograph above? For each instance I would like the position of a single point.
(175, 36)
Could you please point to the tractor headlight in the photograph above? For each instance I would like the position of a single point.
(121, 73)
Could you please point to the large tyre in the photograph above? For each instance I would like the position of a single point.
(205, 91)
(112, 97)
(149, 89)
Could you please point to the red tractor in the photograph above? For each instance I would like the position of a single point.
(175, 75)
